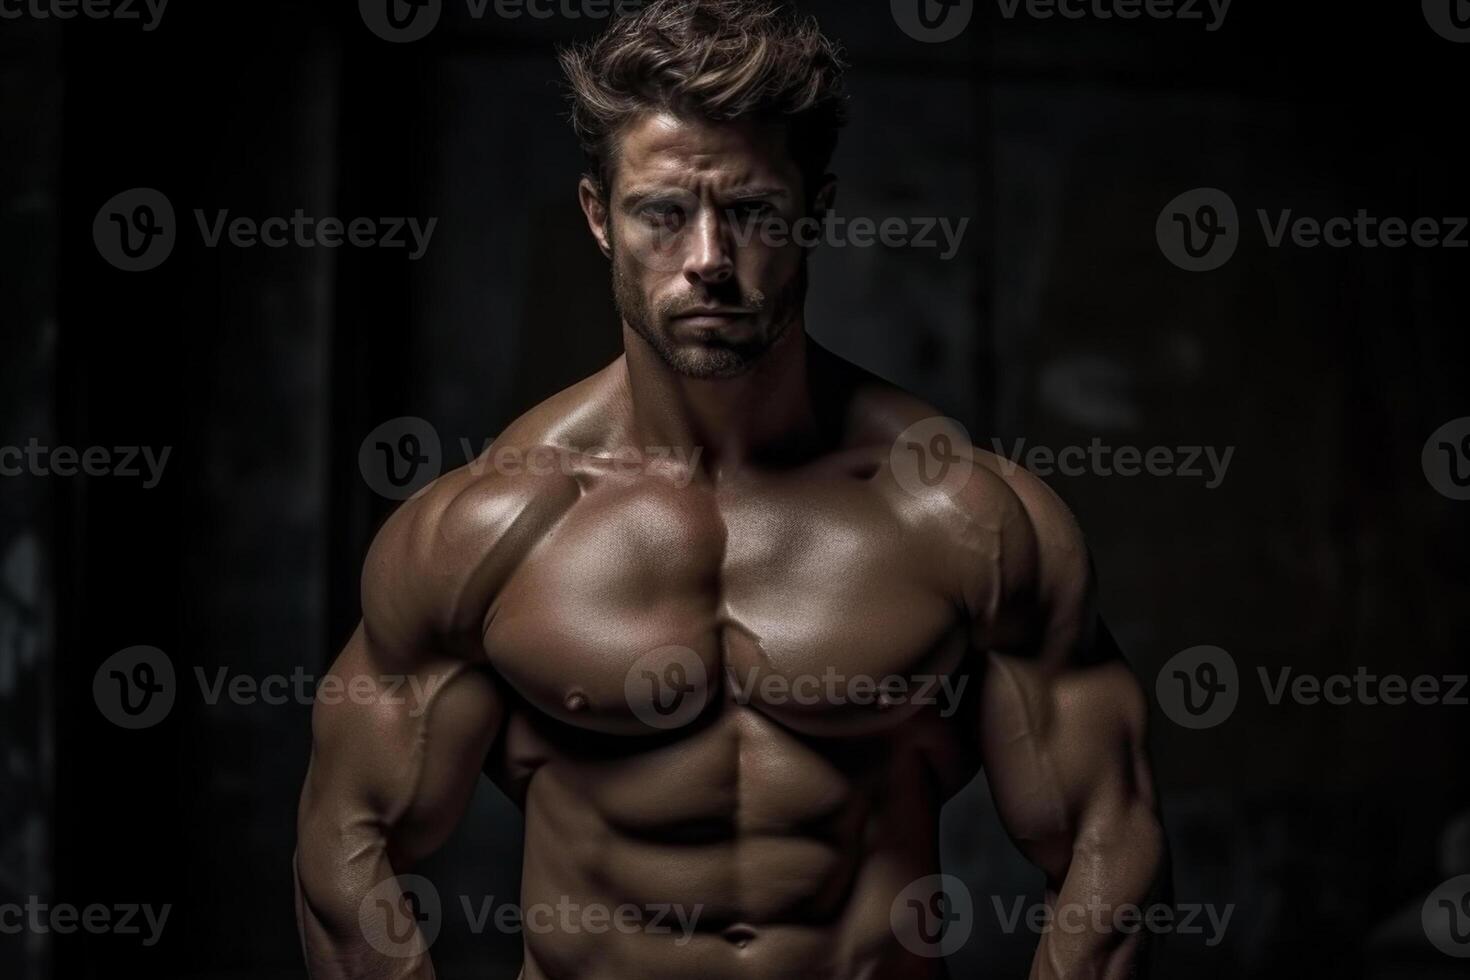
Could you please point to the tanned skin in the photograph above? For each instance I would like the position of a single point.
(786, 547)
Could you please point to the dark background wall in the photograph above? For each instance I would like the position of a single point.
(1059, 320)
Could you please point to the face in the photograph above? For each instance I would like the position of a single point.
(693, 225)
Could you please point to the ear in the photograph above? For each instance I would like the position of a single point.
(596, 211)
(826, 195)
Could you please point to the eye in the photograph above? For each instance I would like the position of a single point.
(752, 210)
(663, 215)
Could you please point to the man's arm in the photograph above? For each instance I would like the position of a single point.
(387, 784)
(1062, 729)
(397, 750)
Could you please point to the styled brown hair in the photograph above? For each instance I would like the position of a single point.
(710, 59)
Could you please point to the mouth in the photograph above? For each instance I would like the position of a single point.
(712, 311)
(712, 317)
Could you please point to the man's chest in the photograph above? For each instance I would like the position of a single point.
(807, 600)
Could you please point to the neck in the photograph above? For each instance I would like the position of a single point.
(766, 411)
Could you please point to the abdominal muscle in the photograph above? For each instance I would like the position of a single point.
(736, 849)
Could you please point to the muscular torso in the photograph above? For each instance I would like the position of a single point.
(731, 699)
(782, 799)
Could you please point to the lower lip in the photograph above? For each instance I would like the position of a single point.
(712, 319)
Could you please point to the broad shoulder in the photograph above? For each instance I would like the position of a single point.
(1013, 549)
(439, 559)
(980, 486)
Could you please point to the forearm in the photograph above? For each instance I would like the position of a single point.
(1118, 869)
(354, 920)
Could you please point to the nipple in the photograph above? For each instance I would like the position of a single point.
(575, 701)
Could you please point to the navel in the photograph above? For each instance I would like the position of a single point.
(739, 935)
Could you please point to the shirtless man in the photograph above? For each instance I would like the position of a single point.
(698, 674)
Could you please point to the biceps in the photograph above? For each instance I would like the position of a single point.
(395, 757)
(1064, 753)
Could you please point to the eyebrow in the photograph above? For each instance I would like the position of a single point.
(634, 198)
(745, 193)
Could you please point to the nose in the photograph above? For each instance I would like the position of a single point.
(709, 257)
